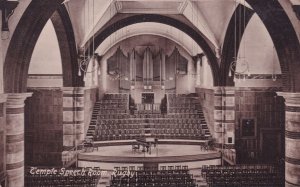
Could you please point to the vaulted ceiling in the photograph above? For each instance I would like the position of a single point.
(209, 17)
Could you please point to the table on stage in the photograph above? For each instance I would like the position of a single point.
(146, 143)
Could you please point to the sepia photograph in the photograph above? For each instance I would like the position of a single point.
(150, 93)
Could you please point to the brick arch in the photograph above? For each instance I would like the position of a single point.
(22, 44)
(199, 38)
(284, 38)
(67, 45)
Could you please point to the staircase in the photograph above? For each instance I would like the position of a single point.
(93, 123)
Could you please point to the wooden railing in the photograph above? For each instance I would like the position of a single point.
(229, 155)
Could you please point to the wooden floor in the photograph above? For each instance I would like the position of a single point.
(158, 151)
(107, 157)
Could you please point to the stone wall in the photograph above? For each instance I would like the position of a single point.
(227, 114)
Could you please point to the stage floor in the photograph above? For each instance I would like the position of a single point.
(158, 151)
(107, 157)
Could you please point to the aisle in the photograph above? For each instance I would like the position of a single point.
(104, 181)
(200, 181)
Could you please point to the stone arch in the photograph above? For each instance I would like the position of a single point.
(284, 38)
(231, 45)
(200, 39)
(67, 45)
(23, 41)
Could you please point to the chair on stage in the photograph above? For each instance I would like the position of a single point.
(135, 147)
(88, 145)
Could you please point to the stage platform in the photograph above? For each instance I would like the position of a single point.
(160, 141)
(107, 157)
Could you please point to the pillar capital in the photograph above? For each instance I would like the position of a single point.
(291, 99)
(3, 98)
(17, 99)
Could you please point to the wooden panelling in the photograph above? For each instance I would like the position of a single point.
(267, 110)
(43, 127)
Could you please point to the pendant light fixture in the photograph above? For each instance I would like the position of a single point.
(244, 70)
(89, 56)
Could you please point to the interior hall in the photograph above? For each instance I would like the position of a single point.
(140, 93)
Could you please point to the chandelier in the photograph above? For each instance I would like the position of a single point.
(244, 69)
(85, 60)
(88, 56)
(242, 72)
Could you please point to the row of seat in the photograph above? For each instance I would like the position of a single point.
(184, 104)
(107, 113)
(153, 111)
(189, 110)
(112, 96)
(181, 101)
(183, 115)
(244, 175)
(153, 132)
(61, 181)
(161, 169)
(179, 177)
(152, 123)
(121, 114)
(170, 126)
(242, 168)
(109, 137)
(113, 106)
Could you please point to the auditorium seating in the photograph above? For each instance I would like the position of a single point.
(111, 120)
(112, 106)
(58, 180)
(243, 176)
(178, 177)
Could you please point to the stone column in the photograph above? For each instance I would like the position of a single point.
(292, 138)
(224, 116)
(3, 98)
(73, 116)
(15, 139)
(198, 71)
